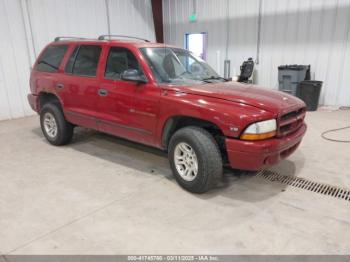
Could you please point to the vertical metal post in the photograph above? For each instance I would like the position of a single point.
(227, 62)
(227, 28)
(107, 16)
(218, 62)
(259, 33)
(227, 69)
(157, 12)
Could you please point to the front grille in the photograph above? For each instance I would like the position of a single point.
(292, 114)
(291, 121)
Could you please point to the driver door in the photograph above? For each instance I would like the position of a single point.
(117, 98)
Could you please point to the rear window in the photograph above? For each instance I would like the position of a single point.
(51, 59)
(84, 60)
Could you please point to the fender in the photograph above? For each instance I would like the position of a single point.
(231, 118)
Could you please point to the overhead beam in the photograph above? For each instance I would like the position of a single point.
(157, 10)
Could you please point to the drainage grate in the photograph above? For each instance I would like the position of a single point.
(306, 184)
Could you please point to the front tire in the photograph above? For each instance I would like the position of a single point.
(54, 126)
(195, 159)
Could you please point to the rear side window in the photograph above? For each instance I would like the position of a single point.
(119, 60)
(70, 63)
(84, 60)
(51, 59)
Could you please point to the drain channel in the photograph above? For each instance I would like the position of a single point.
(306, 184)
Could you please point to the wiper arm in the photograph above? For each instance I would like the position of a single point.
(214, 78)
(46, 63)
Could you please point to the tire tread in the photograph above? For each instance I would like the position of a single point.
(209, 151)
(65, 129)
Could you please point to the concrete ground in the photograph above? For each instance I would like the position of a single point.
(104, 195)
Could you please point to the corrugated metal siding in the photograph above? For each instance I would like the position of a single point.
(243, 31)
(292, 32)
(132, 17)
(14, 63)
(88, 18)
(23, 36)
(211, 19)
(83, 18)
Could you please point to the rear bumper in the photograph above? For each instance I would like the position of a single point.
(256, 155)
(33, 102)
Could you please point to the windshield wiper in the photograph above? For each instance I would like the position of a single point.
(207, 79)
(46, 63)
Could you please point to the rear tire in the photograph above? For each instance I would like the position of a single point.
(195, 159)
(54, 126)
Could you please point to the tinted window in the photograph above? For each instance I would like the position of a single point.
(86, 60)
(51, 58)
(70, 63)
(119, 60)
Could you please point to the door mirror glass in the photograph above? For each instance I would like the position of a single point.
(133, 75)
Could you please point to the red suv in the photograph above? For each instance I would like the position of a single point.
(165, 97)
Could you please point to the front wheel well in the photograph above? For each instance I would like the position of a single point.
(175, 123)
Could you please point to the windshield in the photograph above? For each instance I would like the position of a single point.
(178, 66)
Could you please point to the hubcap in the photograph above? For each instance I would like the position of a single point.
(186, 162)
(50, 125)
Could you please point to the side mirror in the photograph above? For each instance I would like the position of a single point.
(133, 75)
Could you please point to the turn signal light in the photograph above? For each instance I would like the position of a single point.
(258, 136)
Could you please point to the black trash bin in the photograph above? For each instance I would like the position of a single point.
(309, 92)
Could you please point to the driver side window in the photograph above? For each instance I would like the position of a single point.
(120, 59)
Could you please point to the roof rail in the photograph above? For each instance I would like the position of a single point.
(59, 38)
(104, 37)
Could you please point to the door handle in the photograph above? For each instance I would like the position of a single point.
(60, 86)
(102, 92)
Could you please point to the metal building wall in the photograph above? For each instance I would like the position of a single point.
(292, 32)
(211, 19)
(14, 62)
(26, 26)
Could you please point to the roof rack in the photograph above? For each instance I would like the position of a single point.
(59, 38)
(104, 37)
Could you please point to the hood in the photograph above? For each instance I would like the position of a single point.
(260, 97)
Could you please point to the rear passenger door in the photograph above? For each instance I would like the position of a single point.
(80, 85)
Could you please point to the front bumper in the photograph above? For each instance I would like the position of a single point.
(33, 102)
(256, 155)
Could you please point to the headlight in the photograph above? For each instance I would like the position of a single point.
(260, 130)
